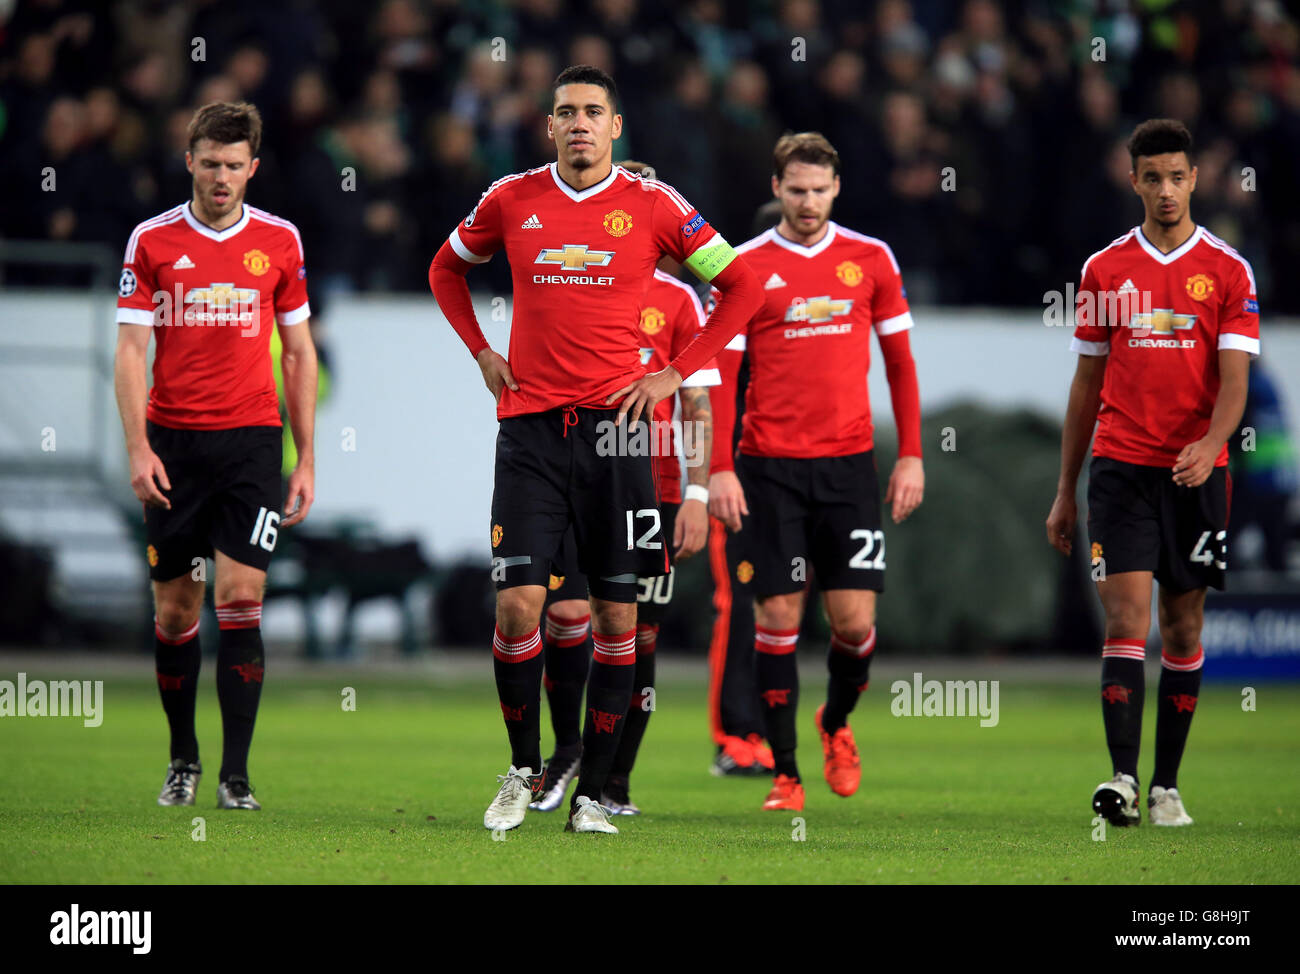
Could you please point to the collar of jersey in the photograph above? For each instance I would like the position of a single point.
(585, 194)
(218, 235)
(800, 249)
(1154, 252)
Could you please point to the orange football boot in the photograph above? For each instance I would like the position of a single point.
(762, 753)
(786, 793)
(842, 768)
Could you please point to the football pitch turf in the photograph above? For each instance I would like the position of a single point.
(394, 792)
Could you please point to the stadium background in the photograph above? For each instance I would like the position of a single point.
(385, 121)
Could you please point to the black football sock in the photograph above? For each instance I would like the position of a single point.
(176, 664)
(567, 651)
(241, 664)
(776, 673)
(517, 664)
(638, 711)
(609, 691)
(850, 670)
(1123, 686)
(1180, 685)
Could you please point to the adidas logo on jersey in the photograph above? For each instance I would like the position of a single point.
(532, 223)
(1127, 286)
(183, 264)
(774, 282)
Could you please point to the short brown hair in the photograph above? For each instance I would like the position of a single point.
(1156, 136)
(227, 122)
(810, 147)
(640, 168)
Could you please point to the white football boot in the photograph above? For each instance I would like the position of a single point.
(511, 803)
(590, 816)
(1165, 807)
(1116, 800)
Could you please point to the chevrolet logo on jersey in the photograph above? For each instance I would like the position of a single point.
(575, 257)
(222, 304)
(1161, 323)
(817, 310)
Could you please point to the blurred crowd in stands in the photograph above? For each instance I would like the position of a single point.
(1028, 101)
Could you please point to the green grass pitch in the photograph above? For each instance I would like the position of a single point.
(394, 792)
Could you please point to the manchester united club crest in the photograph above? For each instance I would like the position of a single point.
(152, 554)
(497, 532)
(602, 721)
(850, 273)
(652, 321)
(618, 223)
(1200, 286)
(1114, 693)
(256, 263)
(1096, 552)
(745, 572)
(1184, 702)
(555, 582)
(776, 698)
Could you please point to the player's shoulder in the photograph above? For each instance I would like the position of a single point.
(155, 223)
(868, 245)
(507, 185)
(758, 245)
(658, 192)
(1229, 256)
(275, 226)
(1114, 249)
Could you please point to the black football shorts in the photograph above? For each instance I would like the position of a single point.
(567, 467)
(820, 511)
(1139, 520)
(226, 495)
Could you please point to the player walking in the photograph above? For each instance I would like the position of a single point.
(582, 237)
(1167, 321)
(806, 474)
(207, 280)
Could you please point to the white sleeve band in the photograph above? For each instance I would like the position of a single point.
(737, 343)
(134, 316)
(1242, 343)
(463, 252)
(704, 377)
(897, 323)
(694, 492)
(1089, 348)
(300, 313)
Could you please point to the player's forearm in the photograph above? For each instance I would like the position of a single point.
(723, 402)
(697, 413)
(131, 387)
(1080, 419)
(904, 392)
(300, 380)
(1230, 403)
(451, 291)
(742, 296)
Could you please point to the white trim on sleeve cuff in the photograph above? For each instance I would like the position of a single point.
(1089, 348)
(1242, 343)
(897, 323)
(134, 316)
(301, 313)
(704, 377)
(463, 252)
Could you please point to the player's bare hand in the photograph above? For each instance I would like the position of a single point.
(302, 492)
(146, 468)
(692, 528)
(1195, 463)
(906, 487)
(496, 373)
(727, 499)
(1061, 522)
(644, 394)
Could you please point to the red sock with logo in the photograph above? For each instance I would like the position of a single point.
(638, 711)
(176, 665)
(517, 664)
(849, 664)
(776, 673)
(567, 653)
(609, 691)
(1123, 686)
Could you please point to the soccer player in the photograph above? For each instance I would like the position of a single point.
(671, 317)
(1166, 324)
(582, 237)
(805, 474)
(207, 280)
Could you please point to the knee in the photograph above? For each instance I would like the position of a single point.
(856, 628)
(1182, 636)
(238, 592)
(777, 612)
(1128, 620)
(569, 610)
(613, 617)
(518, 610)
(175, 616)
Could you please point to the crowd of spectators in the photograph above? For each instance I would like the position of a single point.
(984, 140)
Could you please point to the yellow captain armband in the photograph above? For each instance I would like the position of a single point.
(711, 259)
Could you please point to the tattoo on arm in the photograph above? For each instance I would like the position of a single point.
(697, 433)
